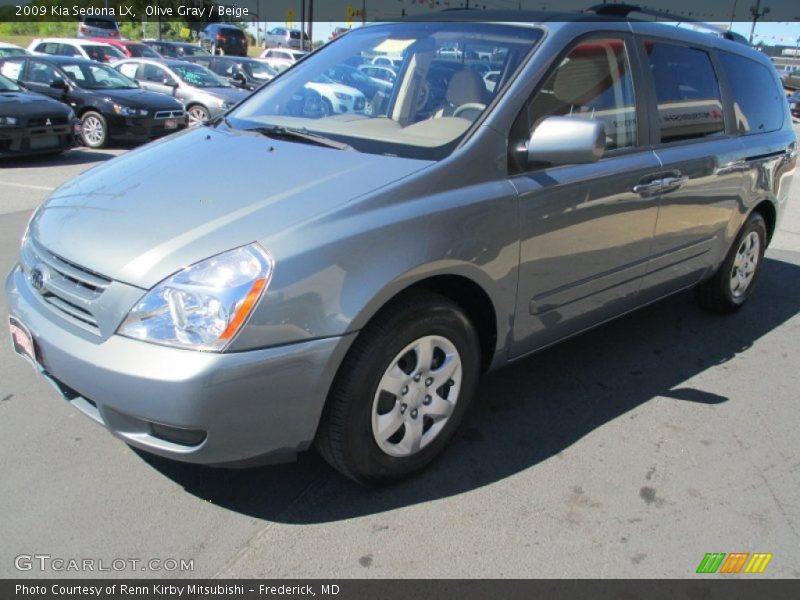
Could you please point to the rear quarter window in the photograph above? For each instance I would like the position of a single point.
(758, 103)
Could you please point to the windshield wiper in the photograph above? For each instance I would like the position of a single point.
(302, 135)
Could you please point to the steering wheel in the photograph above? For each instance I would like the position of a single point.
(477, 106)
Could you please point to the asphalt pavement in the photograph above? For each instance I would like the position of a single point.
(630, 451)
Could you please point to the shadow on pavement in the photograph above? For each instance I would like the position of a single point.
(528, 412)
(76, 156)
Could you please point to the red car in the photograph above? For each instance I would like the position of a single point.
(131, 48)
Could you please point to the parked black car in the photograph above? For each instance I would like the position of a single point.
(109, 104)
(32, 123)
(179, 50)
(246, 73)
(219, 38)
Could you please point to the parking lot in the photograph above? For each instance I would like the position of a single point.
(630, 451)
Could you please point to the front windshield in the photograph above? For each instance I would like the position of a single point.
(93, 76)
(198, 76)
(6, 85)
(436, 96)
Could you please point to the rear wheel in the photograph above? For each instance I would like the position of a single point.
(401, 391)
(735, 279)
(94, 130)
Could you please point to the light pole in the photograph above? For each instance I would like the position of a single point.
(733, 15)
(757, 14)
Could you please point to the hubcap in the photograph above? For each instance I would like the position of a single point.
(197, 116)
(93, 130)
(416, 396)
(745, 263)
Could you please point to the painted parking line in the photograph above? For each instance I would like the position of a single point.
(28, 186)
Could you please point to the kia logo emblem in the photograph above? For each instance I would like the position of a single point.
(38, 277)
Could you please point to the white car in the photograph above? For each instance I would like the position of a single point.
(336, 97)
(76, 47)
(388, 61)
(281, 58)
(9, 50)
(490, 80)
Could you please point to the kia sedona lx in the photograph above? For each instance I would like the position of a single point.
(284, 276)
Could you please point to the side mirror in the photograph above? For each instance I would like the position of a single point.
(567, 141)
(169, 82)
(239, 79)
(59, 84)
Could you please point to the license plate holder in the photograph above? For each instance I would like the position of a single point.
(47, 141)
(171, 124)
(22, 342)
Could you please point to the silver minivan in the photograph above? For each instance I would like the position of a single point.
(282, 277)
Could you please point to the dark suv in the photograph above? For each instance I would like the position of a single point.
(219, 38)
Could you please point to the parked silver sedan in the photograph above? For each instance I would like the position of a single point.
(204, 94)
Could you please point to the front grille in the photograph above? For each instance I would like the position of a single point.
(42, 121)
(67, 289)
(169, 114)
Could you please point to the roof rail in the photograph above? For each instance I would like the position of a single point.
(624, 11)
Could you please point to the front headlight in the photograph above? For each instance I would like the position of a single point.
(203, 306)
(8, 121)
(341, 96)
(127, 111)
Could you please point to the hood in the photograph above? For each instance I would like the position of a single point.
(148, 213)
(138, 98)
(333, 88)
(25, 104)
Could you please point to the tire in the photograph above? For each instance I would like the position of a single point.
(94, 130)
(327, 107)
(730, 287)
(197, 115)
(359, 406)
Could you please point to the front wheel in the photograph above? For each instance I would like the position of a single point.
(94, 130)
(401, 391)
(198, 115)
(735, 279)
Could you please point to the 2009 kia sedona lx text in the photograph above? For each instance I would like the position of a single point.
(299, 272)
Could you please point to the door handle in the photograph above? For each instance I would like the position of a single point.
(650, 188)
(670, 184)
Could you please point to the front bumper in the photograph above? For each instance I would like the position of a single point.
(141, 128)
(24, 141)
(200, 407)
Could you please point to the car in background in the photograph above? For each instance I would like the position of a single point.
(204, 94)
(376, 91)
(110, 105)
(223, 39)
(71, 47)
(794, 104)
(337, 32)
(98, 27)
(336, 98)
(7, 50)
(33, 124)
(179, 50)
(490, 80)
(132, 49)
(246, 73)
(388, 61)
(281, 59)
(791, 79)
(386, 74)
(284, 37)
